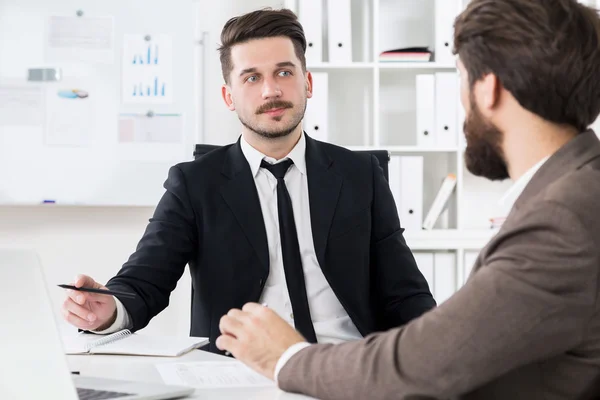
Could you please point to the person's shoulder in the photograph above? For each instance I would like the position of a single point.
(340, 152)
(204, 174)
(578, 191)
(207, 164)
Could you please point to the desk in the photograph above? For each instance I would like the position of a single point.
(142, 369)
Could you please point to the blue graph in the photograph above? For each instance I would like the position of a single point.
(154, 89)
(149, 57)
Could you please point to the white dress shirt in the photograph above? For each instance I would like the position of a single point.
(330, 320)
(512, 194)
(506, 201)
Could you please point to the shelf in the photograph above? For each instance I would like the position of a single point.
(347, 66)
(72, 205)
(415, 65)
(449, 239)
(384, 66)
(406, 149)
(416, 149)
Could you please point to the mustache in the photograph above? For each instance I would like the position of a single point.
(273, 105)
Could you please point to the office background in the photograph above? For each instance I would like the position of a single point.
(371, 102)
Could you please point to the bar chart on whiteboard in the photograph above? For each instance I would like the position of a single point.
(147, 69)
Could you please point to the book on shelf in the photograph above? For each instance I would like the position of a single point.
(407, 54)
(496, 222)
(440, 201)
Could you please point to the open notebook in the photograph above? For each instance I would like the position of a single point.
(124, 342)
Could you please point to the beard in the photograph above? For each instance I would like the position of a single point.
(484, 156)
(277, 132)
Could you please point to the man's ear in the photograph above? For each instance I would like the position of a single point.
(309, 85)
(488, 91)
(226, 93)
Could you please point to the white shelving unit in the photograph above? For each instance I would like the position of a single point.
(372, 105)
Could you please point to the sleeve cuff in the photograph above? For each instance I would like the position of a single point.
(285, 357)
(121, 322)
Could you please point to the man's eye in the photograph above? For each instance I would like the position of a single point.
(285, 73)
(252, 78)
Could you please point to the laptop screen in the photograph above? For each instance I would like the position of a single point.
(33, 363)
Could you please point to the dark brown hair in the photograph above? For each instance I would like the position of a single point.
(545, 52)
(261, 24)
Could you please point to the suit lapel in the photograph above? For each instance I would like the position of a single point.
(323, 192)
(242, 198)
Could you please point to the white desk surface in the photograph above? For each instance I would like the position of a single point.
(139, 368)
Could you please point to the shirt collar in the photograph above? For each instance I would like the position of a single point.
(509, 198)
(255, 157)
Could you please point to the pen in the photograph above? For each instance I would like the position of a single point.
(100, 291)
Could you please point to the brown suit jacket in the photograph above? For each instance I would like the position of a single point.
(526, 325)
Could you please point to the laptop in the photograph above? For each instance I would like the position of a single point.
(33, 364)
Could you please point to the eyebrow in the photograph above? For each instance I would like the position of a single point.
(247, 71)
(286, 64)
(278, 65)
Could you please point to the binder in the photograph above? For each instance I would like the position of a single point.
(439, 270)
(316, 117)
(446, 102)
(339, 31)
(440, 201)
(445, 13)
(461, 118)
(425, 110)
(444, 276)
(426, 266)
(310, 14)
(410, 207)
(394, 180)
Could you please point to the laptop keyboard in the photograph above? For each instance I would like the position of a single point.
(91, 394)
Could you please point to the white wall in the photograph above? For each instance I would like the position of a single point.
(98, 240)
(94, 241)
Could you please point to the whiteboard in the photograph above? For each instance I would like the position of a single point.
(75, 151)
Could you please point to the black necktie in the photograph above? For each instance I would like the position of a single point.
(292, 263)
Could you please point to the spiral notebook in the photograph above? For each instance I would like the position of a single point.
(126, 343)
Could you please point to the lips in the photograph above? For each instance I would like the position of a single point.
(275, 112)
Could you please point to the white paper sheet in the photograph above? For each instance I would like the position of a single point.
(147, 69)
(21, 105)
(80, 39)
(212, 374)
(70, 120)
(160, 128)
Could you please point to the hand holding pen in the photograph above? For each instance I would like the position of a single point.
(89, 305)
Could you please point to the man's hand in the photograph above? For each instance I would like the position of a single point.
(89, 311)
(256, 336)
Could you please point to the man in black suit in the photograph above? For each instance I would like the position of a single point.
(307, 227)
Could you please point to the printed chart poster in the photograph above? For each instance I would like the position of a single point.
(70, 116)
(80, 39)
(161, 128)
(21, 105)
(147, 71)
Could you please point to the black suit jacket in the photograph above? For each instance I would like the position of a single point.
(210, 217)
